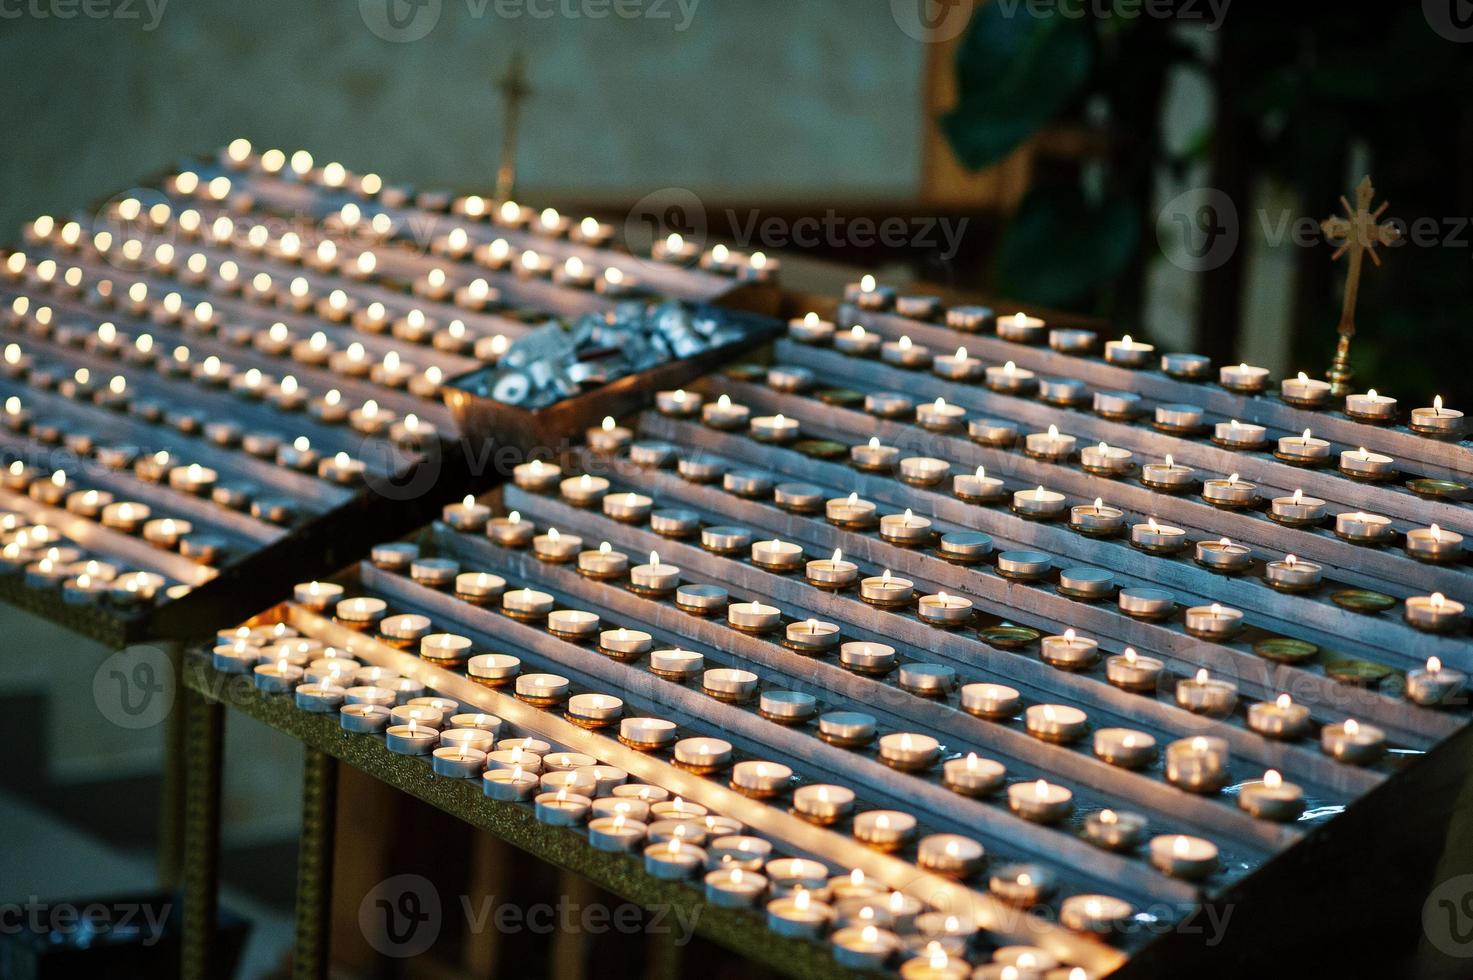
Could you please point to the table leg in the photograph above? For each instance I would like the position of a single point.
(203, 738)
(314, 866)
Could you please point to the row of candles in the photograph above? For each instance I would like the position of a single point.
(1299, 449)
(47, 560)
(1435, 613)
(677, 839)
(316, 289)
(1434, 685)
(547, 222)
(314, 351)
(211, 371)
(1300, 391)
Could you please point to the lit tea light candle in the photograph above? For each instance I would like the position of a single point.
(995, 702)
(939, 416)
(536, 476)
(923, 471)
(526, 603)
(1433, 613)
(1280, 718)
(858, 342)
(411, 738)
(1158, 538)
(909, 752)
(1233, 434)
(1204, 694)
(1362, 464)
(128, 517)
(1129, 353)
(823, 804)
(1298, 510)
(1198, 764)
(1022, 885)
(646, 734)
(458, 762)
(905, 353)
(760, 779)
(1096, 519)
(676, 664)
(777, 555)
(468, 515)
(960, 366)
(572, 624)
(1057, 723)
(1051, 445)
(950, 854)
(584, 490)
(1436, 685)
(905, 529)
(1371, 407)
(1292, 574)
(1304, 392)
(945, 610)
(734, 887)
(973, 776)
(360, 611)
(725, 414)
(833, 572)
(884, 830)
(1021, 328)
(1272, 798)
(608, 437)
(1303, 449)
(1232, 493)
(603, 563)
(775, 428)
(850, 511)
(1124, 747)
(799, 915)
(730, 683)
(543, 689)
(656, 577)
(1039, 503)
(1434, 544)
(1070, 651)
(1106, 460)
(511, 531)
(1439, 422)
(887, 590)
(1180, 856)
(1353, 742)
(811, 329)
(562, 808)
(678, 403)
(509, 785)
(342, 469)
(978, 487)
(363, 719)
(554, 546)
(1040, 801)
(1115, 830)
(317, 596)
(1244, 379)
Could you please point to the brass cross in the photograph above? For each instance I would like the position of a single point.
(514, 90)
(1358, 233)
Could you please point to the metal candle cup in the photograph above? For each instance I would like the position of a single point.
(1040, 801)
(1115, 830)
(730, 684)
(956, 367)
(949, 854)
(884, 830)
(798, 916)
(905, 354)
(823, 804)
(993, 433)
(858, 342)
(1436, 685)
(1244, 379)
(1124, 748)
(775, 429)
(923, 471)
(536, 476)
(1362, 464)
(777, 555)
(907, 529)
(1198, 764)
(1131, 672)
(1304, 391)
(873, 457)
(1224, 556)
(978, 488)
(1353, 742)
(1117, 405)
(1059, 723)
(1231, 493)
(1189, 367)
(1297, 509)
(1272, 798)
(1096, 519)
(909, 752)
(1039, 504)
(1370, 407)
(1128, 353)
(753, 616)
(887, 590)
(1434, 544)
(1023, 566)
(1303, 449)
(1178, 418)
(973, 776)
(851, 511)
(1435, 613)
(1071, 340)
(944, 610)
(1239, 435)
(940, 416)
(1011, 379)
(1051, 445)
(787, 707)
(1189, 858)
(812, 636)
(1158, 538)
(1103, 460)
(832, 573)
(1206, 695)
(1438, 422)
(991, 701)
(1292, 574)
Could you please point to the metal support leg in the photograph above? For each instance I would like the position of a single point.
(314, 866)
(204, 729)
(171, 795)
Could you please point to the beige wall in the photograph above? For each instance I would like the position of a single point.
(757, 98)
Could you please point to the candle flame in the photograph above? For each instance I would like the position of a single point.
(1272, 779)
(961, 353)
(1437, 405)
(1305, 438)
(838, 556)
(1232, 479)
(981, 472)
(1283, 701)
(1202, 675)
(1434, 665)
(1352, 727)
(1040, 789)
(1131, 656)
(1438, 600)
(1290, 560)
